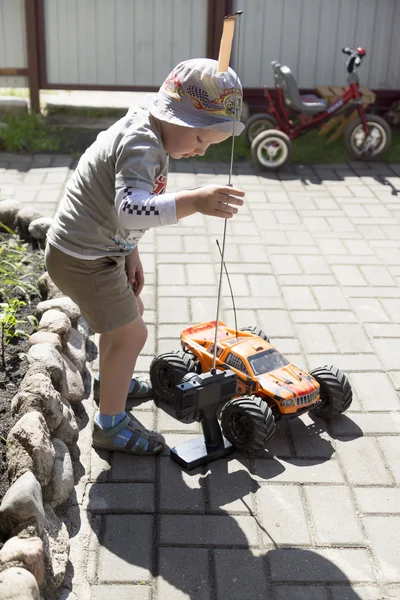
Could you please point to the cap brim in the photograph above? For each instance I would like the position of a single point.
(166, 114)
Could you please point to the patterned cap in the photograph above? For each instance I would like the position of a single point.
(195, 94)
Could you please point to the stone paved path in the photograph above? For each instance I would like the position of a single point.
(314, 258)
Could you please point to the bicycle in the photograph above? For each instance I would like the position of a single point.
(367, 137)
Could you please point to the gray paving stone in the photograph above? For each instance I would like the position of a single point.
(282, 515)
(378, 500)
(183, 573)
(180, 491)
(276, 323)
(125, 468)
(348, 275)
(173, 310)
(387, 351)
(299, 298)
(263, 285)
(322, 316)
(348, 362)
(285, 265)
(296, 592)
(310, 438)
(122, 558)
(230, 486)
(369, 424)
(369, 310)
(330, 508)
(240, 574)
(357, 592)
(330, 565)
(121, 592)
(316, 338)
(350, 338)
(384, 533)
(391, 450)
(330, 298)
(208, 530)
(375, 391)
(298, 471)
(392, 308)
(119, 497)
(357, 457)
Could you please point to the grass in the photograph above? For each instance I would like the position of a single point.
(309, 148)
(27, 133)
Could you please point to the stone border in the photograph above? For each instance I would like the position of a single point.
(42, 440)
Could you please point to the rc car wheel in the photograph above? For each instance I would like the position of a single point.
(248, 423)
(258, 123)
(166, 372)
(256, 331)
(336, 394)
(362, 147)
(271, 149)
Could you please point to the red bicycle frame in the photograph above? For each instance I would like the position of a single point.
(285, 124)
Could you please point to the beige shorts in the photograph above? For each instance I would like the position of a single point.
(99, 287)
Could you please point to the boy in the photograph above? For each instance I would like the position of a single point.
(110, 201)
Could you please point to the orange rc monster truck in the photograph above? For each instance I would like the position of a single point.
(268, 388)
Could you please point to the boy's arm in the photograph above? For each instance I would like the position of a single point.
(138, 209)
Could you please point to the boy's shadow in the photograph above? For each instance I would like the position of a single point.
(189, 541)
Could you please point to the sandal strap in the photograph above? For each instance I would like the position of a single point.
(141, 387)
(137, 434)
(112, 432)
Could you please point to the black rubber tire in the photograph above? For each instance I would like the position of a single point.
(248, 423)
(372, 120)
(336, 393)
(259, 143)
(167, 371)
(258, 123)
(256, 331)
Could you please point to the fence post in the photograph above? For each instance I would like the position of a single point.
(32, 54)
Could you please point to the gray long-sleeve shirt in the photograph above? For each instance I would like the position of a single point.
(111, 198)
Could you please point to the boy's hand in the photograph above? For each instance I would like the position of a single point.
(134, 271)
(212, 200)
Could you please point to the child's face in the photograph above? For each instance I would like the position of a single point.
(182, 142)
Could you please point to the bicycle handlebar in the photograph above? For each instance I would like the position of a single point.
(355, 58)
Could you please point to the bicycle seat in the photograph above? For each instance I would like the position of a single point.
(293, 98)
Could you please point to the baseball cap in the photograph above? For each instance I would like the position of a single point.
(195, 94)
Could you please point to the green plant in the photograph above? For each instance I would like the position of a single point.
(17, 266)
(8, 324)
(26, 133)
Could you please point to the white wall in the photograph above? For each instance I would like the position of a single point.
(12, 40)
(121, 42)
(308, 36)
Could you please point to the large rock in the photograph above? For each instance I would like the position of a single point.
(8, 212)
(30, 448)
(37, 393)
(22, 505)
(46, 337)
(24, 218)
(47, 288)
(65, 304)
(68, 430)
(72, 388)
(55, 321)
(56, 550)
(83, 328)
(38, 228)
(62, 479)
(75, 349)
(50, 358)
(18, 584)
(28, 551)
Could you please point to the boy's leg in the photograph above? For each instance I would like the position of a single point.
(113, 428)
(119, 350)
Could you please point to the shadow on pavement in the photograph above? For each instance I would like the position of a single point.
(207, 537)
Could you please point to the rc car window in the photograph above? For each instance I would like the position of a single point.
(267, 361)
(236, 363)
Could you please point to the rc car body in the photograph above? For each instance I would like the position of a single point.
(269, 387)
